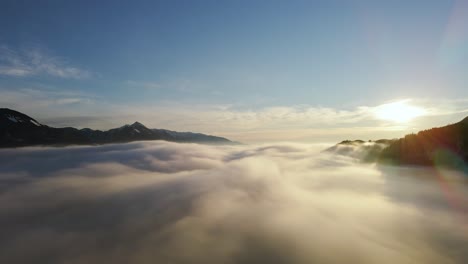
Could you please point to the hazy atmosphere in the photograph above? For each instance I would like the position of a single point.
(244, 131)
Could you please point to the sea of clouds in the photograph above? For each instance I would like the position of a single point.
(161, 202)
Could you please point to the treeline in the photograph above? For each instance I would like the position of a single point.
(446, 146)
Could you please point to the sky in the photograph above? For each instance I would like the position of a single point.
(248, 70)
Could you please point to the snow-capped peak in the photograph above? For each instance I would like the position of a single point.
(35, 122)
(12, 118)
(17, 117)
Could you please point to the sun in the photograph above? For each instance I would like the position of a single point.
(400, 111)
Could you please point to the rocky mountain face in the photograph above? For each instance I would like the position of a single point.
(18, 129)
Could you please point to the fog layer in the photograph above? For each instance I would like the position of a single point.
(161, 202)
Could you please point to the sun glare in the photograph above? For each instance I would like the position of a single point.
(400, 111)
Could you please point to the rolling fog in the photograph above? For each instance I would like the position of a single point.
(161, 202)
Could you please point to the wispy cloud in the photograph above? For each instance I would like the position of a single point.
(275, 123)
(22, 63)
(297, 123)
(145, 85)
(59, 108)
(48, 103)
(42, 97)
(179, 85)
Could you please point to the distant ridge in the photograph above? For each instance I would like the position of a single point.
(366, 151)
(443, 146)
(18, 129)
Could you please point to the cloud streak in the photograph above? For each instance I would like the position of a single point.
(35, 62)
(145, 85)
(164, 202)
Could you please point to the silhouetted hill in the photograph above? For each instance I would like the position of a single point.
(18, 129)
(446, 146)
(366, 151)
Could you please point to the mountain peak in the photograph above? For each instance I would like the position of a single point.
(137, 124)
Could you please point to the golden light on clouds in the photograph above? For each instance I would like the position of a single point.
(400, 111)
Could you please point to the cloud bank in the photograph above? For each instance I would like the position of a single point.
(160, 202)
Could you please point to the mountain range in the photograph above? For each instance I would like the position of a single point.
(18, 129)
(446, 146)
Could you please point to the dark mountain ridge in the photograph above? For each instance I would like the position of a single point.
(442, 146)
(446, 146)
(18, 129)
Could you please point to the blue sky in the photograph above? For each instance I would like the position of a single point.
(192, 64)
